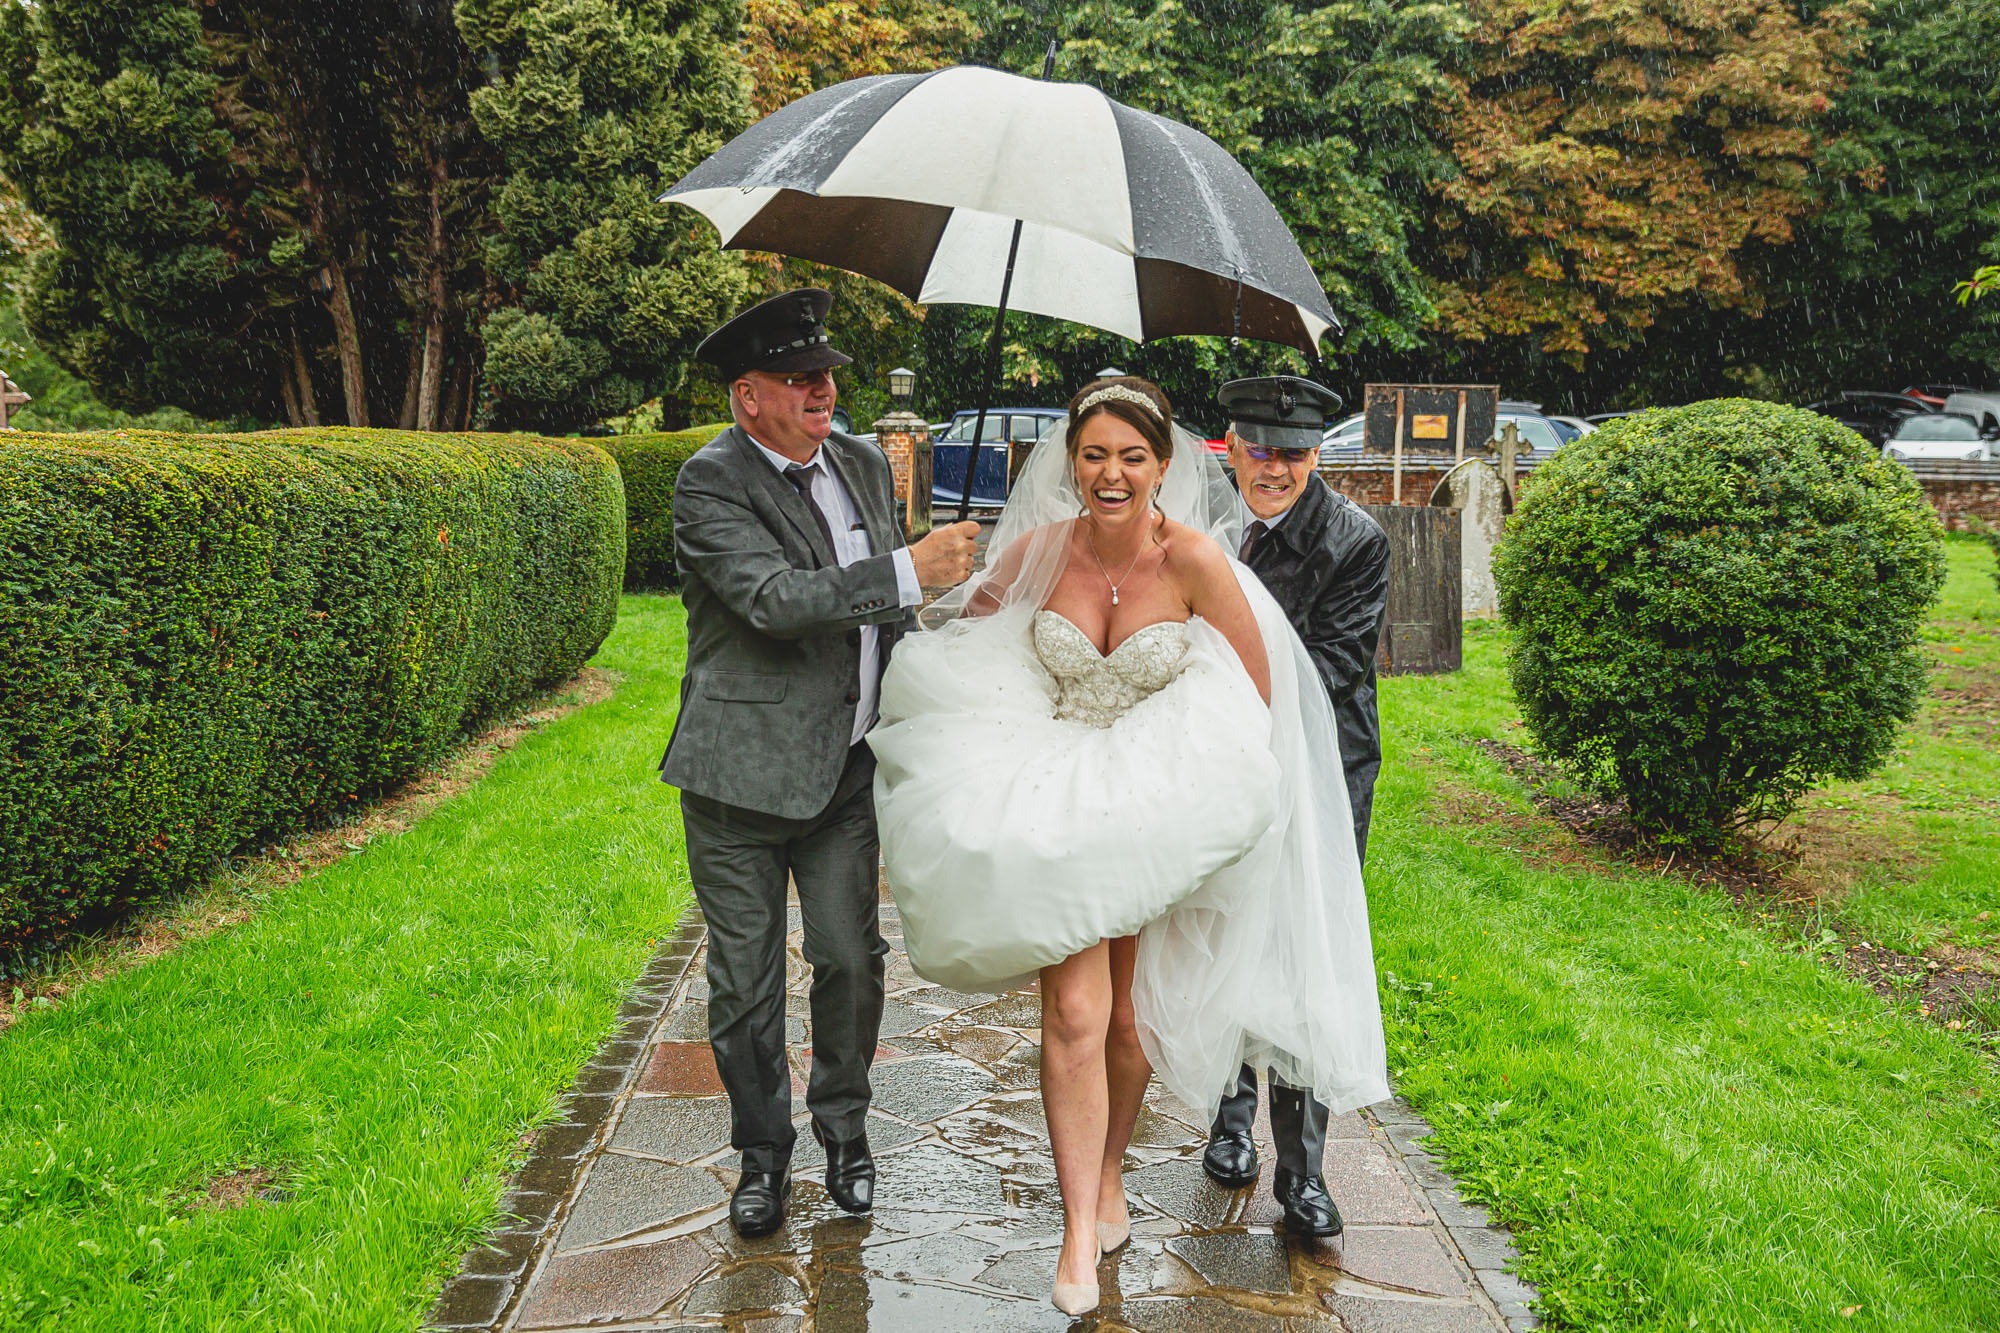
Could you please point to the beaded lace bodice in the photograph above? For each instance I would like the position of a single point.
(1097, 689)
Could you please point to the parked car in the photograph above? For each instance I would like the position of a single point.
(951, 448)
(1518, 409)
(1541, 435)
(1342, 440)
(1873, 416)
(1599, 418)
(1935, 394)
(1983, 406)
(1580, 425)
(1940, 435)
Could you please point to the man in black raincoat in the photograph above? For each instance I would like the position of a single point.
(1326, 563)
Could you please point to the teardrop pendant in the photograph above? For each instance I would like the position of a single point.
(1114, 596)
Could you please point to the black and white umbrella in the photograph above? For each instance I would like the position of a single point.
(1129, 222)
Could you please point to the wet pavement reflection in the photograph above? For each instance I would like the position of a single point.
(633, 1231)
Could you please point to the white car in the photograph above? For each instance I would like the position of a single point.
(1951, 436)
(1983, 408)
(1343, 440)
(1577, 424)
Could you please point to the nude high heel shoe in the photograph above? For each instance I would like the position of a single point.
(1076, 1298)
(1113, 1236)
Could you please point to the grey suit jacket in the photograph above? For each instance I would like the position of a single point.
(773, 625)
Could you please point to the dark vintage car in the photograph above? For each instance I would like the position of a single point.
(1004, 426)
(1873, 416)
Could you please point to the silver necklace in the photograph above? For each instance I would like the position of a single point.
(1091, 541)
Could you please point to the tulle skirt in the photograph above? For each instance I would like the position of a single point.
(1213, 827)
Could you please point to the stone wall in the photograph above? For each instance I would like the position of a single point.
(1963, 491)
(1960, 491)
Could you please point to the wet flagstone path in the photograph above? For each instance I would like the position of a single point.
(620, 1215)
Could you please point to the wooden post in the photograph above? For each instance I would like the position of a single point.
(1423, 625)
(1396, 495)
(1458, 454)
(12, 396)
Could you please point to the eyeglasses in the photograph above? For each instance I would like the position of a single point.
(802, 378)
(1264, 454)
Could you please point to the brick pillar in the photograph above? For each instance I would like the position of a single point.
(906, 439)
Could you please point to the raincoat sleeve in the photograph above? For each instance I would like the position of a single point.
(1345, 622)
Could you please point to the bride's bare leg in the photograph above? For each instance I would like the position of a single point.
(1126, 1072)
(1076, 1009)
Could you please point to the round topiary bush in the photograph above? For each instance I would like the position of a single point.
(1715, 608)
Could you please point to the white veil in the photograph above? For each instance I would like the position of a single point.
(1269, 960)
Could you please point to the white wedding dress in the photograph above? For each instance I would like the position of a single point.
(1035, 796)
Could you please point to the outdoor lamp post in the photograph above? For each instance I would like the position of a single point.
(906, 438)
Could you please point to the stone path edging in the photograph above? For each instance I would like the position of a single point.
(618, 1219)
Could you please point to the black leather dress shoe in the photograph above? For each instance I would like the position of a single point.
(1231, 1159)
(757, 1208)
(850, 1170)
(1309, 1209)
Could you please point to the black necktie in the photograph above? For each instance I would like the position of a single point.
(801, 475)
(1251, 538)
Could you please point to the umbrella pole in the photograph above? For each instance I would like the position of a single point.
(992, 376)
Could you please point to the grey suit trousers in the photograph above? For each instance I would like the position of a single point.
(741, 861)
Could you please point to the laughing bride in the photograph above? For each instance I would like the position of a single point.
(1108, 763)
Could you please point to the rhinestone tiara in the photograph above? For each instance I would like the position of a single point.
(1123, 395)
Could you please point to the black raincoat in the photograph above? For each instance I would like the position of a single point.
(1327, 566)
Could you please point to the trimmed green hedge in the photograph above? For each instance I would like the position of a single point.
(206, 639)
(651, 463)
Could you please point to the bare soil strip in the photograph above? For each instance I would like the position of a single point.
(1954, 986)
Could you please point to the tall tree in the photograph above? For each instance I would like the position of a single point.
(343, 211)
(1621, 161)
(595, 107)
(1909, 176)
(108, 129)
(1331, 107)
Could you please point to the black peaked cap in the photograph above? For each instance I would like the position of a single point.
(1278, 411)
(783, 335)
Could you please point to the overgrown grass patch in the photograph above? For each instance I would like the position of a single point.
(1691, 1121)
(374, 1040)
(1912, 855)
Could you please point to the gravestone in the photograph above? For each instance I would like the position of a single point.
(1423, 629)
(1475, 490)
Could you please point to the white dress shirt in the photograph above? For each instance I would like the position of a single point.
(850, 543)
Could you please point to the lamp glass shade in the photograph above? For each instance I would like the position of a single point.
(902, 382)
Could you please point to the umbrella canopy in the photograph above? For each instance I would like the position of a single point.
(1130, 222)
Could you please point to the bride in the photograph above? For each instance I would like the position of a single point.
(1109, 763)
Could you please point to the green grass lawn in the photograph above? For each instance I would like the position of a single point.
(378, 1037)
(1691, 1123)
(1913, 853)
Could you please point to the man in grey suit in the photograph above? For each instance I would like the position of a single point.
(797, 583)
